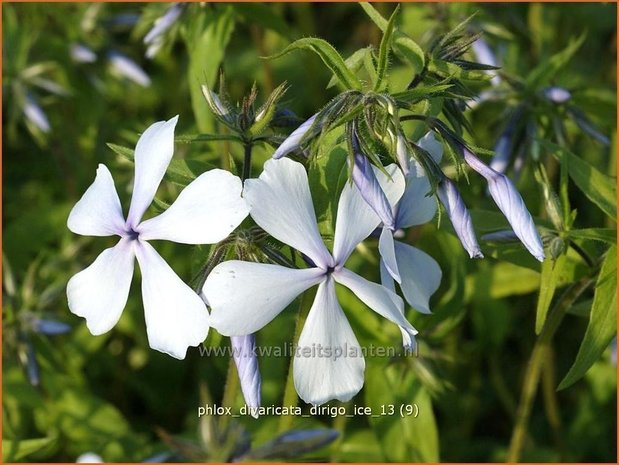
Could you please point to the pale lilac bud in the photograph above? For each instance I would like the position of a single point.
(557, 94)
(485, 56)
(82, 54)
(502, 153)
(243, 351)
(50, 327)
(292, 141)
(165, 22)
(35, 114)
(32, 366)
(460, 217)
(154, 38)
(366, 181)
(510, 202)
(128, 68)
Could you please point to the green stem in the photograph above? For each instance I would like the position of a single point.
(230, 392)
(290, 394)
(247, 160)
(536, 361)
(551, 405)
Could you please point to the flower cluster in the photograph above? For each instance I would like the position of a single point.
(244, 296)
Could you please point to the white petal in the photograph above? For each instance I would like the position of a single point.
(281, 204)
(378, 298)
(153, 153)
(416, 207)
(99, 293)
(175, 315)
(393, 184)
(205, 212)
(387, 253)
(245, 296)
(355, 219)
(408, 340)
(421, 276)
(432, 146)
(328, 362)
(98, 212)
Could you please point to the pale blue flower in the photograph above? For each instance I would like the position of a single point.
(82, 54)
(154, 37)
(557, 94)
(205, 212)
(245, 296)
(127, 68)
(35, 115)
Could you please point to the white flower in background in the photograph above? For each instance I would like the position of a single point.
(154, 37)
(35, 114)
(127, 68)
(206, 211)
(245, 296)
(89, 457)
(417, 273)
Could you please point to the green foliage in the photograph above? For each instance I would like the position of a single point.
(602, 321)
(409, 68)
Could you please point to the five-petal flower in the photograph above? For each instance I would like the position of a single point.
(206, 211)
(245, 296)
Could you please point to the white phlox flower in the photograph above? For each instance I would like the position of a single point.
(245, 296)
(205, 212)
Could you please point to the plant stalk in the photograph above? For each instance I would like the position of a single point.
(536, 362)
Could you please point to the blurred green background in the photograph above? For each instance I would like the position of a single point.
(114, 396)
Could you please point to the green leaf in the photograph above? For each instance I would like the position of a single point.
(403, 46)
(597, 186)
(408, 438)
(206, 45)
(608, 235)
(420, 92)
(19, 451)
(329, 57)
(549, 68)
(188, 138)
(180, 172)
(602, 321)
(551, 271)
(354, 63)
(383, 50)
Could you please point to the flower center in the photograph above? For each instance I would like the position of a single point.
(132, 234)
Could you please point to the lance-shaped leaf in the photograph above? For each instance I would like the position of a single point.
(403, 45)
(549, 68)
(602, 321)
(330, 57)
(383, 50)
(597, 186)
(551, 272)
